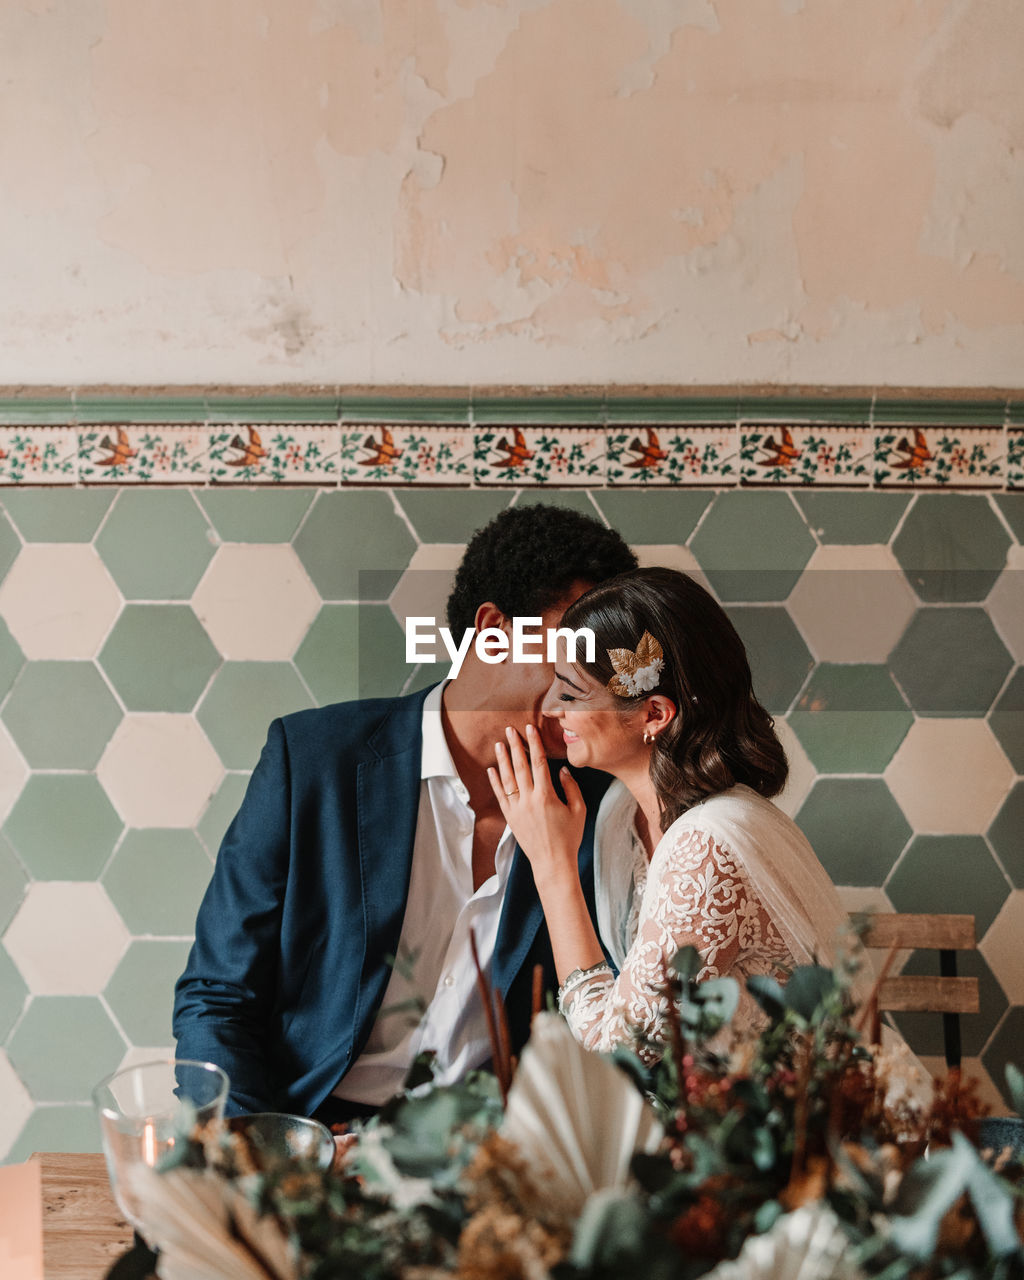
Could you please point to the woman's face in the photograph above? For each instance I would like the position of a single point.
(597, 732)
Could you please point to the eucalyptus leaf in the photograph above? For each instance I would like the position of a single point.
(611, 1230)
(1015, 1083)
(808, 990)
(768, 994)
(993, 1203)
(687, 963)
(927, 1191)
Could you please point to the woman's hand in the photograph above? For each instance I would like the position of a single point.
(548, 831)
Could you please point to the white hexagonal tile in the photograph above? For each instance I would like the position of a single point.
(949, 776)
(651, 555)
(59, 600)
(13, 773)
(423, 589)
(256, 601)
(160, 770)
(1006, 603)
(137, 1055)
(66, 939)
(1001, 946)
(15, 1105)
(802, 773)
(852, 603)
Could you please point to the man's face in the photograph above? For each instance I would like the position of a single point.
(533, 679)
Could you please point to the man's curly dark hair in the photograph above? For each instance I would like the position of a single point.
(528, 558)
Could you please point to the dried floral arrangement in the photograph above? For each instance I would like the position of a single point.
(799, 1154)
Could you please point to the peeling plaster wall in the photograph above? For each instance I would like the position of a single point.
(512, 191)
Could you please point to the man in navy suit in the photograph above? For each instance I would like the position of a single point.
(333, 944)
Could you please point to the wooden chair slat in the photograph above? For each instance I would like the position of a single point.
(929, 995)
(931, 932)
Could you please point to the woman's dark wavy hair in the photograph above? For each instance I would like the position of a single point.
(527, 559)
(721, 735)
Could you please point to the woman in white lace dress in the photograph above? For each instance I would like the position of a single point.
(690, 849)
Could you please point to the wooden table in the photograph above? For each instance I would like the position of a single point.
(83, 1230)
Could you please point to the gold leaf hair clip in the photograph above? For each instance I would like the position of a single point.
(637, 673)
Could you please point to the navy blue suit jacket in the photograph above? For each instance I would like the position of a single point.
(305, 906)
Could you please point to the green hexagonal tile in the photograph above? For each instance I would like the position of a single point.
(949, 873)
(1007, 720)
(1012, 507)
(853, 519)
(1006, 836)
(653, 517)
(923, 1031)
(12, 994)
(159, 658)
(779, 659)
(850, 719)
(452, 515)
(241, 702)
(58, 514)
(10, 545)
(224, 804)
(570, 499)
(255, 515)
(61, 714)
(752, 546)
(952, 547)
(156, 880)
(12, 884)
(856, 828)
(346, 533)
(71, 1127)
(141, 992)
(353, 651)
(11, 658)
(156, 544)
(950, 662)
(63, 827)
(1004, 1048)
(78, 1025)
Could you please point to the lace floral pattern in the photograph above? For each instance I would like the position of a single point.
(696, 895)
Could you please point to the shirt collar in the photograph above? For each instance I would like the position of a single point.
(436, 760)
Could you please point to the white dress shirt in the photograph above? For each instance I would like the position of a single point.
(431, 1000)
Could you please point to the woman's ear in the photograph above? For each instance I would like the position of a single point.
(659, 712)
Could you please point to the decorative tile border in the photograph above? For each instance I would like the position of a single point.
(472, 439)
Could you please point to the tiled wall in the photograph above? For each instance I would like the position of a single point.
(149, 634)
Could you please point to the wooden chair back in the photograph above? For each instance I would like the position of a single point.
(948, 993)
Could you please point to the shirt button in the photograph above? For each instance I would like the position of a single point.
(449, 981)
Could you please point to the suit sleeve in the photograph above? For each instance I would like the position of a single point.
(224, 1007)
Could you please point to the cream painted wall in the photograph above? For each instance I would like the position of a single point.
(512, 191)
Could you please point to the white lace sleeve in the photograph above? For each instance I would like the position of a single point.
(696, 895)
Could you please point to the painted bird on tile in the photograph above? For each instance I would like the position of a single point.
(120, 450)
(384, 451)
(913, 456)
(782, 454)
(650, 453)
(251, 450)
(516, 454)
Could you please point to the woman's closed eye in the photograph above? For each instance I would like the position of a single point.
(566, 697)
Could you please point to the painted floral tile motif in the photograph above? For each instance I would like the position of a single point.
(781, 453)
(1015, 458)
(120, 454)
(384, 453)
(939, 457)
(649, 455)
(557, 456)
(269, 453)
(38, 455)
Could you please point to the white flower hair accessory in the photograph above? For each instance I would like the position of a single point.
(637, 673)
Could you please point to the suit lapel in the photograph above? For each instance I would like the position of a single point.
(387, 801)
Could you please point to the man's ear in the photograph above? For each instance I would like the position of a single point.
(659, 712)
(489, 615)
